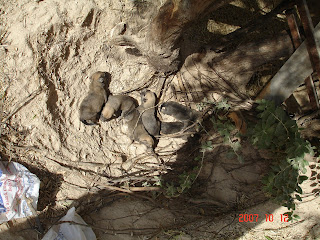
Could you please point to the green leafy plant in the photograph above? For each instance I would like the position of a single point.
(171, 190)
(276, 131)
(187, 179)
(222, 105)
(226, 129)
(223, 125)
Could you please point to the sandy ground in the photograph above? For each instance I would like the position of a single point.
(48, 53)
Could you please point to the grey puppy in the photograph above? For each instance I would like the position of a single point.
(91, 105)
(185, 115)
(136, 129)
(180, 112)
(171, 127)
(116, 103)
(148, 112)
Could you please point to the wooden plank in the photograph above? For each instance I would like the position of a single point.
(309, 32)
(291, 75)
(295, 33)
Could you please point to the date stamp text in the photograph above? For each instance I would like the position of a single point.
(256, 217)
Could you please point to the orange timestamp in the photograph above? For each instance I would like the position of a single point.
(255, 217)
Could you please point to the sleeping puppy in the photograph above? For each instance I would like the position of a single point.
(171, 127)
(91, 105)
(148, 112)
(116, 103)
(180, 112)
(185, 115)
(136, 130)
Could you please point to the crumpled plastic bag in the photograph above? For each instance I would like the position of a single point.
(70, 230)
(19, 191)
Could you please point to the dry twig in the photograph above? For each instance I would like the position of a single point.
(23, 103)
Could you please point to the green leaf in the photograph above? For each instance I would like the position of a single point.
(302, 179)
(299, 190)
(271, 177)
(305, 163)
(270, 120)
(235, 146)
(276, 168)
(290, 124)
(291, 206)
(280, 130)
(171, 190)
(295, 166)
(267, 140)
(223, 105)
(264, 116)
(298, 198)
(280, 113)
(262, 105)
(277, 182)
(269, 238)
(264, 180)
(240, 159)
(145, 184)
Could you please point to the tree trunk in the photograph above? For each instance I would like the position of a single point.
(160, 46)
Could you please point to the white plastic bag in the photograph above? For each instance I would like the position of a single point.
(17, 186)
(70, 231)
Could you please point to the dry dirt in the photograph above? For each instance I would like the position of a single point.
(48, 51)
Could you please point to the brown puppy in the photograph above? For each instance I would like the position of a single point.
(180, 112)
(91, 105)
(116, 103)
(147, 110)
(136, 129)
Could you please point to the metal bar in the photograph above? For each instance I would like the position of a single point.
(309, 31)
(296, 38)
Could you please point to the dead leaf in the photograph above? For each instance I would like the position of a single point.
(239, 122)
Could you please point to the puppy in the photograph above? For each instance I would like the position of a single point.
(91, 105)
(171, 127)
(136, 130)
(148, 111)
(180, 112)
(116, 103)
